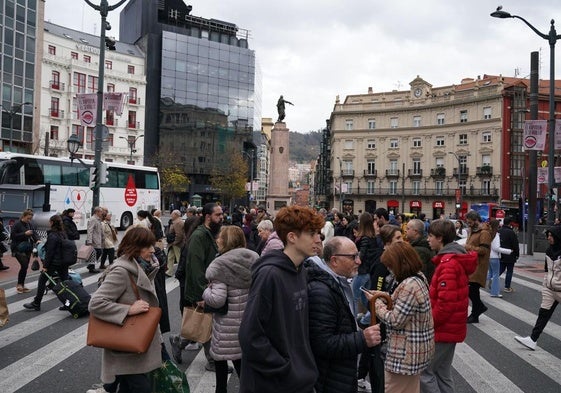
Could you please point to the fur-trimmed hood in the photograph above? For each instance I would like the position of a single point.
(233, 268)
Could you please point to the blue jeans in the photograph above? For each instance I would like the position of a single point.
(493, 275)
(360, 280)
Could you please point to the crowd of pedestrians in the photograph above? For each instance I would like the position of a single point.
(307, 301)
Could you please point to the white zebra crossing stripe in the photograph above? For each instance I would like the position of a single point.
(25, 370)
(539, 359)
(482, 376)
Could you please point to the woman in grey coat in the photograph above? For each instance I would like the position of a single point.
(229, 277)
(115, 299)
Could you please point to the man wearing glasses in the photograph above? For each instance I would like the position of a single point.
(334, 335)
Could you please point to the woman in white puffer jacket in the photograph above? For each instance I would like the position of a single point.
(229, 277)
(495, 259)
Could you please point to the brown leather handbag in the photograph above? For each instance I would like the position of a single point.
(135, 335)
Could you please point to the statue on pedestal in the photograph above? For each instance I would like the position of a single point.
(280, 108)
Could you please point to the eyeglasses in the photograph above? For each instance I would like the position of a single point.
(354, 256)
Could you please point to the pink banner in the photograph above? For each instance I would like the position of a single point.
(113, 102)
(87, 106)
(534, 134)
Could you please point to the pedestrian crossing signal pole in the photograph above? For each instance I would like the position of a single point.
(103, 9)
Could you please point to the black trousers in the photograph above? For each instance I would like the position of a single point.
(61, 272)
(107, 253)
(131, 383)
(221, 369)
(23, 260)
(543, 318)
(477, 306)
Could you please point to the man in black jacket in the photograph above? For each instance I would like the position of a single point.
(335, 338)
(274, 332)
(69, 225)
(509, 239)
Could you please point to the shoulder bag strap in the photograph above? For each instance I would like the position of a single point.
(134, 287)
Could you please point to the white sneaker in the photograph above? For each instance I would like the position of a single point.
(526, 341)
(97, 389)
(193, 347)
(364, 386)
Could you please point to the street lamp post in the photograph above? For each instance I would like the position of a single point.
(461, 195)
(552, 38)
(14, 109)
(103, 9)
(250, 156)
(131, 141)
(340, 185)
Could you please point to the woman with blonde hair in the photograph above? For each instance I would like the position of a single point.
(229, 277)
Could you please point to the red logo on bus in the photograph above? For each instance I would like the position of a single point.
(130, 192)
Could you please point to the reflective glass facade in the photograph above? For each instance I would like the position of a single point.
(209, 74)
(208, 103)
(18, 28)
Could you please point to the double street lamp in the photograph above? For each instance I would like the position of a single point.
(552, 38)
(14, 109)
(132, 143)
(103, 9)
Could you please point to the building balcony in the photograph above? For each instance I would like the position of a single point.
(415, 173)
(485, 170)
(56, 86)
(410, 192)
(134, 100)
(111, 122)
(438, 172)
(463, 172)
(56, 113)
(348, 173)
(484, 192)
(133, 125)
(392, 172)
(371, 174)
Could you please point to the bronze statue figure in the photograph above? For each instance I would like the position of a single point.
(280, 108)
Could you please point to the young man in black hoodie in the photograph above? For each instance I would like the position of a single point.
(274, 336)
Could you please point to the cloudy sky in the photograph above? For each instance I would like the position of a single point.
(310, 51)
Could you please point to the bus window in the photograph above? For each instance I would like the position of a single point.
(51, 173)
(151, 181)
(33, 173)
(69, 175)
(83, 176)
(112, 178)
(139, 179)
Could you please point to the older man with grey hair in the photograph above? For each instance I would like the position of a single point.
(335, 337)
(416, 237)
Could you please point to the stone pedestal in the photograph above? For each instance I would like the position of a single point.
(278, 171)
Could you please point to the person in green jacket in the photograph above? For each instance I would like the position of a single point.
(201, 252)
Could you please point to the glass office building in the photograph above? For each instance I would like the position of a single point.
(18, 39)
(208, 99)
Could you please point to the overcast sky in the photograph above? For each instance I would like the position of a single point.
(310, 51)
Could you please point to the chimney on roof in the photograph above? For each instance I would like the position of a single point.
(370, 90)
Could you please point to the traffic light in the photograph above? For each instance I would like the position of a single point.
(94, 176)
(103, 173)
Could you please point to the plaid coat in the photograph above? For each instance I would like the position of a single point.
(409, 326)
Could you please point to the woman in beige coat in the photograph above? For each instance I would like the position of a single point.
(115, 299)
(229, 277)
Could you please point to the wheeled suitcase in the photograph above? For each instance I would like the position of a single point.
(72, 295)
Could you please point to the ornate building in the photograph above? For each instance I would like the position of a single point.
(435, 150)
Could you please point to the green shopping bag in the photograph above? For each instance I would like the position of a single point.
(169, 379)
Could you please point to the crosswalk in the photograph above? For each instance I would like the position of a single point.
(46, 351)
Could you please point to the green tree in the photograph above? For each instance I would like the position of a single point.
(173, 178)
(230, 176)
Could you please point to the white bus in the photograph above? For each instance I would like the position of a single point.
(65, 184)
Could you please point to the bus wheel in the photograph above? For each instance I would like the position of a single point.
(126, 220)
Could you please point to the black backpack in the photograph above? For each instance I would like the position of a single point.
(68, 252)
